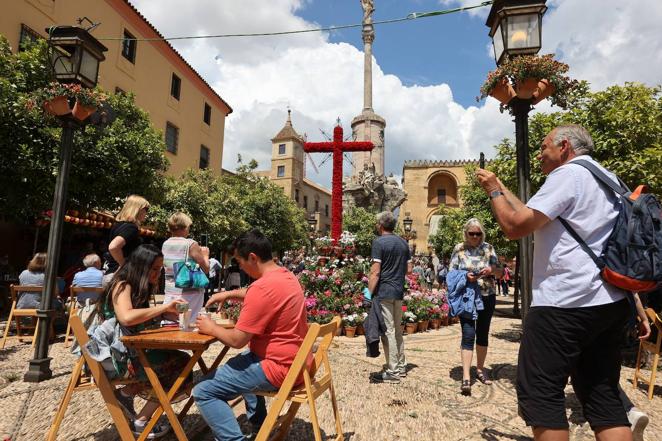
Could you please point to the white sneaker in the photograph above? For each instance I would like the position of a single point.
(639, 421)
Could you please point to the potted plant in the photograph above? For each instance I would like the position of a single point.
(349, 322)
(87, 101)
(533, 77)
(410, 320)
(53, 98)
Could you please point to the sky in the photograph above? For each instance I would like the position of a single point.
(426, 72)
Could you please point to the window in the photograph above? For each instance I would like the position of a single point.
(441, 196)
(296, 195)
(326, 210)
(281, 171)
(305, 202)
(119, 90)
(129, 44)
(207, 114)
(204, 157)
(27, 37)
(171, 138)
(317, 205)
(175, 86)
(281, 149)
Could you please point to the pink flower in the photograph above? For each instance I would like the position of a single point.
(338, 282)
(346, 306)
(327, 293)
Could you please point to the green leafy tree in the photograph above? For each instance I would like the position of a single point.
(108, 163)
(360, 222)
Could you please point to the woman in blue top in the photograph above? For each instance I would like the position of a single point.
(478, 258)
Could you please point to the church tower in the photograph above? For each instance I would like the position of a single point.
(287, 159)
(368, 126)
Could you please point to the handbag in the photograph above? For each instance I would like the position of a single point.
(188, 273)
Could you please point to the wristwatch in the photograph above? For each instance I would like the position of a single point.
(495, 194)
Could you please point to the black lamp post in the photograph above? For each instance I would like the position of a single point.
(75, 56)
(516, 29)
(312, 229)
(407, 222)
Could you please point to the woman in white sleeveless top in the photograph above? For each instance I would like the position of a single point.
(174, 250)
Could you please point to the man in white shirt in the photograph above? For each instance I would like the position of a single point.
(576, 321)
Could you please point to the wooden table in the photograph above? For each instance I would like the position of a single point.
(173, 338)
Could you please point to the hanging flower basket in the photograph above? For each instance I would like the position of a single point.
(503, 91)
(525, 88)
(57, 106)
(82, 112)
(545, 89)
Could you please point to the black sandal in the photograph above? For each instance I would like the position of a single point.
(466, 388)
(480, 376)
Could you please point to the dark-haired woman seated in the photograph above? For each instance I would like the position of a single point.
(126, 309)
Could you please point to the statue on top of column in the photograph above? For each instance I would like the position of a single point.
(368, 9)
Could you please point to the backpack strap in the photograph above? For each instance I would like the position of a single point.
(598, 261)
(621, 189)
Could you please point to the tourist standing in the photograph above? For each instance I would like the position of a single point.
(505, 280)
(125, 233)
(176, 249)
(273, 323)
(478, 259)
(391, 260)
(215, 269)
(575, 325)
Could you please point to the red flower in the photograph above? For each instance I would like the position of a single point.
(327, 293)
(404, 308)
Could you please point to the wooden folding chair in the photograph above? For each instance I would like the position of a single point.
(73, 307)
(654, 348)
(313, 386)
(79, 382)
(16, 315)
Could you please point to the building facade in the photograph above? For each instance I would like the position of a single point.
(429, 185)
(179, 102)
(288, 171)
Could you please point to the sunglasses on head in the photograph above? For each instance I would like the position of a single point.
(474, 234)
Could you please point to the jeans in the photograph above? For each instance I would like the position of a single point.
(392, 341)
(478, 330)
(239, 376)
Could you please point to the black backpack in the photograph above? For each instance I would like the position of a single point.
(632, 256)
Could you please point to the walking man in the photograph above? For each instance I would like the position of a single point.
(575, 325)
(391, 260)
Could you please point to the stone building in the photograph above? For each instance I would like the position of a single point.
(179, 101)
(428, 185)
(288, 171)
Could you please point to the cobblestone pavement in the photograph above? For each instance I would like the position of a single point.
(426, 405)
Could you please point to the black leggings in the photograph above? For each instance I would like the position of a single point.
(478, 330)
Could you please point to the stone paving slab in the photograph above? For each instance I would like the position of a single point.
(426, 405)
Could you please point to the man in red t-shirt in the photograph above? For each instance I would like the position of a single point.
(273, 324)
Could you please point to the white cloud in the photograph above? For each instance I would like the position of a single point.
(605, 42)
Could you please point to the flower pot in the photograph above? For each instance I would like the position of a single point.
(526, 88)
(81, 112)
(545, 89)
(435, 323)
(411, 328)
(503, 91)
(350, 331)
(58, 106)
(402, 328)
(360, 330)
(444, 321)
(422, 326)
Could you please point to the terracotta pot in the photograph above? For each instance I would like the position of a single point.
(402, 328)
(503, 91)
(360, 330)
(411, 328)
(350, 331)
(434, 323)
(545, 89)
(422, 326)
(58, 106)
(526, 88)
(444, 321)
(81, 112)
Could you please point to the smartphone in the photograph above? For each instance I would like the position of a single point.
(481, 161)
(204, 239)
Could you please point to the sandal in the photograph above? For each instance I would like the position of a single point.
(466, 388)
(480, 376)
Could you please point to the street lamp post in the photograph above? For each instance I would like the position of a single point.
(75, 56)
(406, 224)
(312, 230)
(516, 29)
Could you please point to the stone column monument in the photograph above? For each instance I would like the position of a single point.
(368, 126)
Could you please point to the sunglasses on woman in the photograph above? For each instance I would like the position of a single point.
(473, 234)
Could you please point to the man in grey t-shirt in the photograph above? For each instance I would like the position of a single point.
(391, 260)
